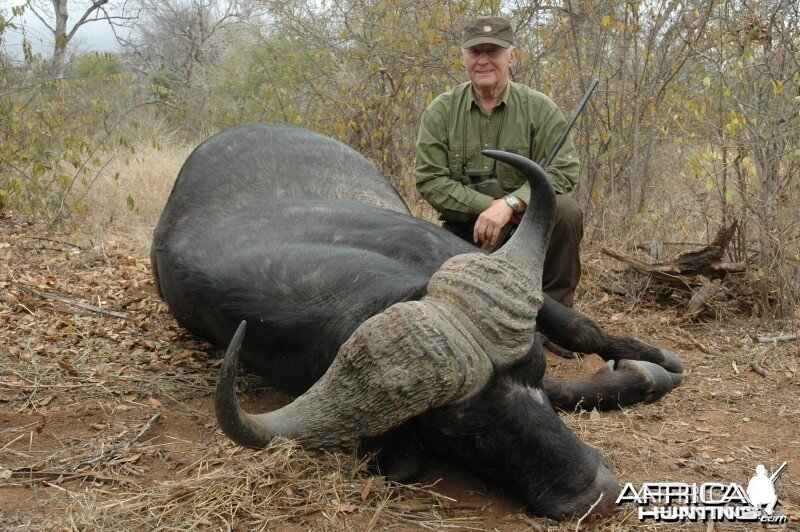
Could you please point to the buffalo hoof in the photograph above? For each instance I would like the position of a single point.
(657, 380)
(670, 362)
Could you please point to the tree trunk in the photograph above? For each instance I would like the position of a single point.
(60, 38)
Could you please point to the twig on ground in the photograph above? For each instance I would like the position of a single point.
(62, 476)
(116, 450)
(51, 240)
(702, 347)
(778, 338)
(589, 511)
(74, 303)
(755, 366)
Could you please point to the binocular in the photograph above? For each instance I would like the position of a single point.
(485, 182)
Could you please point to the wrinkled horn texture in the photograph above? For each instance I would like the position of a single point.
(494, 299)
(398, 364)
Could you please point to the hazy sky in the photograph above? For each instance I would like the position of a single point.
(91, 36)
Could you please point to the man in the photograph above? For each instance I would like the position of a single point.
(477, 196)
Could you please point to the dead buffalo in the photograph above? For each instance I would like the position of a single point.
(391, 331)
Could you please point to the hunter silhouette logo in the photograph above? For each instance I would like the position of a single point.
(709, 501)
(761, 488)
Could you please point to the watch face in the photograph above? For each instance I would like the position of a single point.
(512, 202)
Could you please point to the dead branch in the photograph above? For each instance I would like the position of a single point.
(778, 338)
(74, 303)
(663, 272)
(702, 300)
(701, 346)
(706, 261)
(701, 262)
(53, 240)
(755, 366)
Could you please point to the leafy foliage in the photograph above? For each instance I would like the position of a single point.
(57, 135)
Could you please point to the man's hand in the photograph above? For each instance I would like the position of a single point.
(491, 222)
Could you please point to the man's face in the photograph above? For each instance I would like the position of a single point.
(488, 64)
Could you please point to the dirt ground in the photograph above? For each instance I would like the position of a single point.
(106, 415)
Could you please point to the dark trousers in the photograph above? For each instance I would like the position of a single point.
(562, 262)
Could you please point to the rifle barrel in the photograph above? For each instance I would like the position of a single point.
(571, 122)
(778, 472)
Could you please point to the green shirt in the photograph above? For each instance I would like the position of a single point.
(529, 124)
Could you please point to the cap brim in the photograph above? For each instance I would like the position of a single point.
(485, 40)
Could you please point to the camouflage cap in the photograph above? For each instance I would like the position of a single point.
(491, 30)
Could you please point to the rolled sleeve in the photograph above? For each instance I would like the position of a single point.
(523, 193)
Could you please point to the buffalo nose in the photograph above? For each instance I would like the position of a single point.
(606, 483)
(600, 497)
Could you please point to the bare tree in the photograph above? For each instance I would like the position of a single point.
(55, 14)
(183, 36)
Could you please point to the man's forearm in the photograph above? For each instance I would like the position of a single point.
(448, 195)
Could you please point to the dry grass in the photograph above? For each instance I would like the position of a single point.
(147, 178)
(256, 490)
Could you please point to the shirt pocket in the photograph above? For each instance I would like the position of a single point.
(509, 177)
(455, 161)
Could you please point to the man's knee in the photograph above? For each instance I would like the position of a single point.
(569, 218)
(562, 263)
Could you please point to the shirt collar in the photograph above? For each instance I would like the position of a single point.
(503, 98)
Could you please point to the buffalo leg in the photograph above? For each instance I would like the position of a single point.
(574, 331)
(627, 383)
(623, 383)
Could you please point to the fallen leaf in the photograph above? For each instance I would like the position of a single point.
(46, 401)
(11, 381)
(66, 366)
(155, 403)
(366, 488)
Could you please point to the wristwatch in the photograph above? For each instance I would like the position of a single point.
(513, 202)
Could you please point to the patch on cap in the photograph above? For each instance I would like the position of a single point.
(488, 30)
